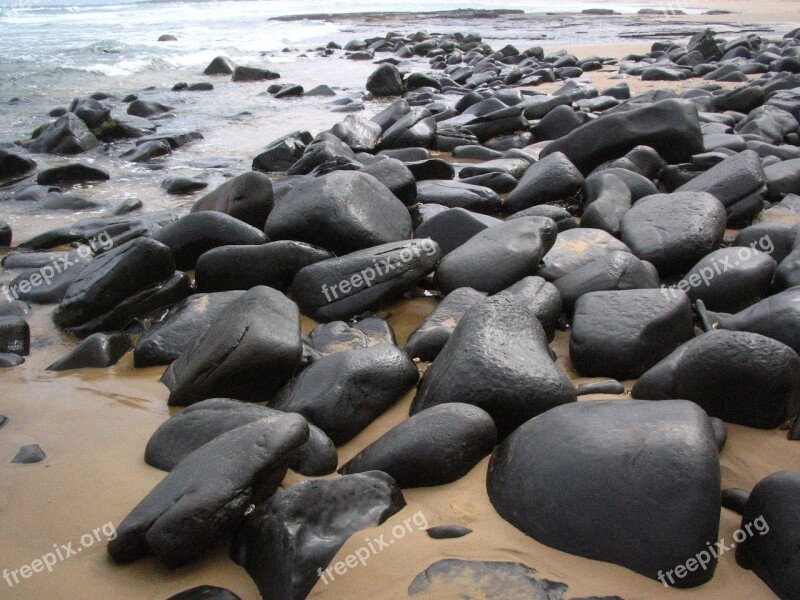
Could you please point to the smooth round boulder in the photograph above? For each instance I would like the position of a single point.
(576, 248)
(457, 194)
(434, 447)
(547, 180)
(739, 377)
(647, 473)
(674, 231)
(247, 197)
(453, 227)
(343, 212)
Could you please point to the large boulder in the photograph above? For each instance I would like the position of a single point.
(287, 543)
(644, 478)
(497, 359)
(191, 236)
(346, 286)
(739, 377)
(671, 127)
(436, 446)
(361, 135)
(385, 81)
(343, 392)
(429, 338)
(498, 256)
(453, 227)
(249, 353)
(241, 267)
(180, 327)
(14, 165)
(543, 299)
(457, 194)
(550, 179)
(208, 493)
(674, 231)
(247, 197)
(576, 248)
(200, 423)
(621, 334)
(111, 279)
(98, 351)
(771, 544)
(343, 211)
(68, 135)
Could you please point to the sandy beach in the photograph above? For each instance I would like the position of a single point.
(94, 423)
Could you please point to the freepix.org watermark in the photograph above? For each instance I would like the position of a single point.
(373, 546)
(380, 267)
(719, 266)
(60, 553)
(45, 275)
(702, 559)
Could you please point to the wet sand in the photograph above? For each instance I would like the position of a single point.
(94, 424)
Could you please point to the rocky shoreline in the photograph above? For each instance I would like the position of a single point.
(416, 297)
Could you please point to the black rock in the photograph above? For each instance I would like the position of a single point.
(771, 548)
(221, 65)
(346, 286)
(552, 178)
(617, 270)
(671, 127)
(648, 469)
(249, 353)
(431, 168)
(783, 178)
(15, 336)
(282, 153)
(456, 437)
(621, 334)
(396, 176)
(343, 211)
(287, 543)
(68, 135)
(191, 236)
(770, 123)
(543, 299)
(14, 165)
(99, 350)
(111, 279)
(207, 494)
(148, 151)
(200, 423)
(730, 279)
(5, 234)
(147, 110)
(501, 183)
(415, 129)
(735, 499)
(516, 167)
(71, 174)
(447, 532)
(674, 231)
(205, 592)
(429, 338)
(557, 123)
(386, 81)
(720, 432)
(180, 328)
(8, 360)
(498, 256)
(739, 377)
(576, 248)
(360, 134)
(29, 454)
(338, 336)
(610, 386)
(90, 111)
(247, 197)
(560, 215)
(497, 359)
(489, 580)
(182, 185)
(344, 392)
(457, 194)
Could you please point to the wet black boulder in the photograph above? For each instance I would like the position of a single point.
(207, 494)
(674, 231)
(385, 81)
(671, 127)
(198, 424)
(221, 65)
(343, 392)
(14, 165)
(180, 328)
(645, 476)
(289, 539)
(196, 233)
(552, 178)
(68, 135)
(429, 338)
(621, 334)
(346, 286)
(247, 197)
(772, 548)
(436, 446)
(498, 256)
(15, 336)
(497, 359)
(576, 248)
(343, 211)
(99, 350)
(249, 353)
(241, 267)
(457, 194)
(453, 227)
(739, 377)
